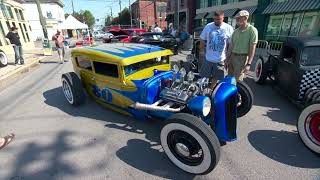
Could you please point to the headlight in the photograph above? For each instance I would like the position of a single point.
(206, 107)
(175, 68)
(200, 105)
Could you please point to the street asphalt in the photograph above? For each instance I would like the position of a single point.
(57, 141)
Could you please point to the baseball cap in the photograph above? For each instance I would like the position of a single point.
(242, 13)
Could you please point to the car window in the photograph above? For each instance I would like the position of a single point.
(106, 69)
(84, 63)
(310, 56)
(289, 54)
(133, 68)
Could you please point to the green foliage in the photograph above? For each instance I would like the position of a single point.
(123, 18)
(84, 17)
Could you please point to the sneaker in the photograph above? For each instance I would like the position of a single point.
(61, 62)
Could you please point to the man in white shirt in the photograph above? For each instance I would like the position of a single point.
(157, 29)
(217, 36)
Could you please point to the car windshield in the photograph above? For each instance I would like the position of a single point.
(310, 56)
(151, 36)
(133, 68)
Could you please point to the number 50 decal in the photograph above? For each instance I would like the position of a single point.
(105, 93)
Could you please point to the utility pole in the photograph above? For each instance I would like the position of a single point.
(155, 10)
(42, 20)
(130, 14)
(72, 7)
(176, 14)
(120, 5)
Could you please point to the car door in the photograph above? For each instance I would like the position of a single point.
(287, 71)
(84, 68)
(108, 85)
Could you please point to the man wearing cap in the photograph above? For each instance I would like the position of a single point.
(14, 39)
(217, 36)
(242, 46)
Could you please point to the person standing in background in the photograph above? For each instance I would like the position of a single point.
(14, 39)
(242, 47)
(59, 41)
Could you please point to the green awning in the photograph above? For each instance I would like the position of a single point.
(292, 6)
(230, 12)
(250, 9)
(201, 16)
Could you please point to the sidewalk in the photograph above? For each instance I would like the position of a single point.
(11, 71)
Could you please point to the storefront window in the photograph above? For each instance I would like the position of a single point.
(286, 24)
(310, 24)
(203, 3)
(274, 25)
(296, 21)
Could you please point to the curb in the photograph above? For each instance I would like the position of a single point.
(8, 78)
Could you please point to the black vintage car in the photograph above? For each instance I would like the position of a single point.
(164, 40)
(296, 73)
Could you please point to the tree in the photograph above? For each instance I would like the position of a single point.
(124, 17)
(108, 20)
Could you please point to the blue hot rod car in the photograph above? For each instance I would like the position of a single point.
(137, 80)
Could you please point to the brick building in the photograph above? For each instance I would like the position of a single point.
(143, 13)
(187, 12)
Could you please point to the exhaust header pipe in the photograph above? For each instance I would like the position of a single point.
(155, 107)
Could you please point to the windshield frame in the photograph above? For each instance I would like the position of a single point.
(165, 60)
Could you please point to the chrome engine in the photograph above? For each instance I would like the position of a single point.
(179, 90)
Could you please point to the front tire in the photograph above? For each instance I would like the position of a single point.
(190, 144)
(245, 98)
(72, 89)
(3, 59)
(309, 127)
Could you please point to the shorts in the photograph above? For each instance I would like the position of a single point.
(61, 51)
(236, 66)
(212, 70)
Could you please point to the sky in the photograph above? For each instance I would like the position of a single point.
(99, 8)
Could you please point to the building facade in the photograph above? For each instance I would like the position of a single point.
(275, 19)
(182, 13)
(53, 12)
(143, 13)
(288, 18)
(13, 14)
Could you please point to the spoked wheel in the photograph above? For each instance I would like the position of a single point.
(245, 98)
(260, 72)
(190, 144)
(72, 89)
(309, 127)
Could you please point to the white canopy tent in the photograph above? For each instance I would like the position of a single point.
(72, 23)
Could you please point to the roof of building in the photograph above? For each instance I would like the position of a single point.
(292, 6)
(59, 2)
(121, 51)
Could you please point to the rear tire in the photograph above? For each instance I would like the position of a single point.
(309, 127)
(245, 99)
(3, 59)
(260, 72)
(72, 89)
(183, 137)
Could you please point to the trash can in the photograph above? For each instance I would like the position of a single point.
(47, 49)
